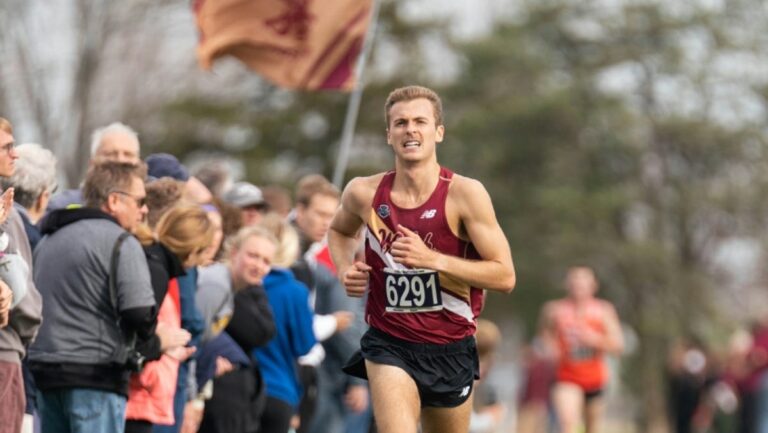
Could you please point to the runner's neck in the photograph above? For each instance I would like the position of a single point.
(414, 185)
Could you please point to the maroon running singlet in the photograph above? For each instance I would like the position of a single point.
(419, 306)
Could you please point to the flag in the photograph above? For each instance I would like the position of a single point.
(298, 44)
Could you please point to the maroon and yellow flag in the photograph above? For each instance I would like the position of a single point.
(299, 44)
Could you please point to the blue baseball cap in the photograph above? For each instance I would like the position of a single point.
(166, 165)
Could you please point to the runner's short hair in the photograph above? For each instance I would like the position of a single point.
(410, 93)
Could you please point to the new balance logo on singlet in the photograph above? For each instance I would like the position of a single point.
(428, 214)
(464, 392)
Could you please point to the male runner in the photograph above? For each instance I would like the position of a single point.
(432, 244)
(582, 328)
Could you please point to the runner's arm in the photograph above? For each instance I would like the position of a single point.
(614, 339)
(609, 341)
(343, 242)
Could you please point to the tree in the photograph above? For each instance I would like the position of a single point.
(634, 180)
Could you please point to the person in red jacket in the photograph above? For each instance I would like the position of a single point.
(180, 237)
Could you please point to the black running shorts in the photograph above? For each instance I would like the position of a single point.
(444, 373)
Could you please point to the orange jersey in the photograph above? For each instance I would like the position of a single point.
(583, 365)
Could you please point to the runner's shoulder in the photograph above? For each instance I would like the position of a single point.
(553, 306)
(466, 185)
(605, 306)
(364, 184)
(359, 191)
(467, 193)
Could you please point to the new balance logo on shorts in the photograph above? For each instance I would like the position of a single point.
(464, 392)
(428, 214)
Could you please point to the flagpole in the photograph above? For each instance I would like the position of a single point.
(353, 107)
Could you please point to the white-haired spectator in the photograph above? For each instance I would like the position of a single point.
(115, 142)
(33, 182)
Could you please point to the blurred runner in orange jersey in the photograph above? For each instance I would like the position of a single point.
(583, 329)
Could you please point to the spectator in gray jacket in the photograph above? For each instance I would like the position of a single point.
(80, 359)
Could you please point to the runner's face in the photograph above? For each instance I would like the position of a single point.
(581, 283)
(412, 131)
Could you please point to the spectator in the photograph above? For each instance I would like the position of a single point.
(215, 175)
(342, 400)
(278, 200)
(233, 300)
(539, 375)
(161, 165)
(115, 142)
(488, 411)
(82, 358)
(294, 336)
(33, 182)
(249, 199)
(18, 325)
(182, 234)
(316, 202)
(173, 183)
(162, 195)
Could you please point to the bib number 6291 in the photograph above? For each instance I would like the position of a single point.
(412, 290)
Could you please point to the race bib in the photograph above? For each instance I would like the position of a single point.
(412, 290)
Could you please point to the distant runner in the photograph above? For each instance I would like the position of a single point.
(583, 328)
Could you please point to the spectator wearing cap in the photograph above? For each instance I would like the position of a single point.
(115, 142)
(161, 165)
(249, 198)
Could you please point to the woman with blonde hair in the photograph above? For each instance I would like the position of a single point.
(294, 336)
(179, 239)
(237, 319)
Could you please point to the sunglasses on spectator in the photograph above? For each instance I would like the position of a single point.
(140, 201)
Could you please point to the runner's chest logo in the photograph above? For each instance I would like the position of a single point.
(383, 211)
(428, 214)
